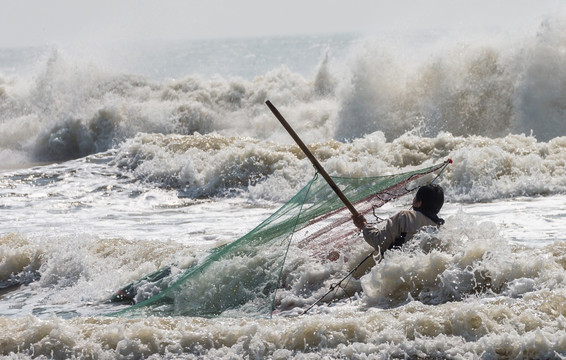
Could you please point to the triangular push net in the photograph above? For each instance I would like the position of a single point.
(242, 278)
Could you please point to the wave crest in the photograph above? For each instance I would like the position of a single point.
(73, 138)
(488, 88)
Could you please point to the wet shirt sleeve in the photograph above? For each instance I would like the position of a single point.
(383, 239)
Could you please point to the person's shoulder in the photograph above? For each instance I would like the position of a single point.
(412, 216)
(407, 213)
(419, 218)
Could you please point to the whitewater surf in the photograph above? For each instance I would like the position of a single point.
(110, 173)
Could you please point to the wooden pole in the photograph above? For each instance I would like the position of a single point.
(313, 160)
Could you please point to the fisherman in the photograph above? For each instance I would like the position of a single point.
(402, 226)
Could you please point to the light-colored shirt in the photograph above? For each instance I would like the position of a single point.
(406, 221)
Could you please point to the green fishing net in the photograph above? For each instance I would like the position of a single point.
(242, 278)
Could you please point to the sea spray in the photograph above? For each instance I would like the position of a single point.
(482, 89)
(463, 263)
(483, 169)
(72, 108)
(489, 284)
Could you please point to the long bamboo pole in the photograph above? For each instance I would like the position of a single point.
(313, 160)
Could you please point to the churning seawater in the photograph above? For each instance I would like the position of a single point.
(115, 163)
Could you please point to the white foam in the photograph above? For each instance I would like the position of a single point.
(489, 284)
(480, 86)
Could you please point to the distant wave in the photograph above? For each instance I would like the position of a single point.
(485, 88)
(490, 88)
(484, 169)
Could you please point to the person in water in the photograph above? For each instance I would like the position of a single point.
(402, 226)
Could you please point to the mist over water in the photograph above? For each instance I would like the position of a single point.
(487, 87)
(491, 87)
(117, 162)
(367, 106)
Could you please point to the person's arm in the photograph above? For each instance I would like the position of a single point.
(383, 239)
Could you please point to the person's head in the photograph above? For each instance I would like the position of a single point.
(429, 198)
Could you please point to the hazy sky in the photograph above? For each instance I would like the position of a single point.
(26, 22)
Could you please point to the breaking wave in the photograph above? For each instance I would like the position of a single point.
(484, 168)
(504, 301)
(490, 89)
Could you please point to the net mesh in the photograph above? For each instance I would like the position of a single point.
(242, 278)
